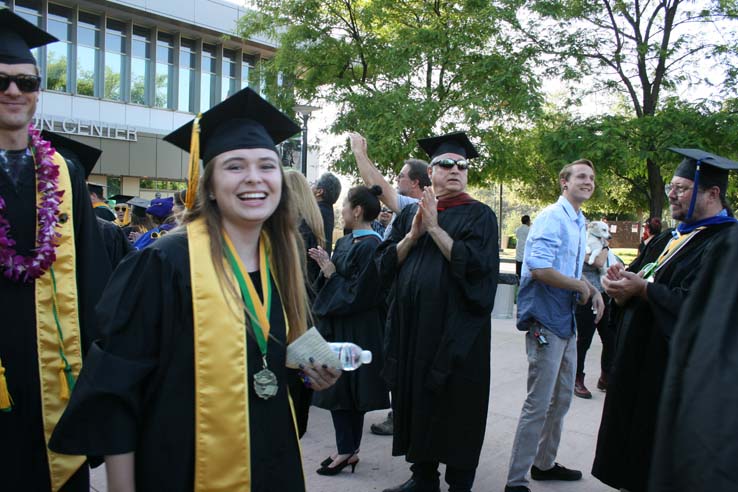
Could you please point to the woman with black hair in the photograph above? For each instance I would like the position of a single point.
(349, 308)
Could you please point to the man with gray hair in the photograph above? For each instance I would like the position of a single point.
(327, 190)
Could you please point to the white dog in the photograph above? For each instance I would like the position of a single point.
(598, 235)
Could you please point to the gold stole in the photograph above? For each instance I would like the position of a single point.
(222, 426)
(222, 433)
(53, 403)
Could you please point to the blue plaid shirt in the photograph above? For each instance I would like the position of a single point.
(557, 239)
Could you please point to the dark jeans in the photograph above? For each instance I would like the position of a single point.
(458, 480)
(585, 331)
(349, 425)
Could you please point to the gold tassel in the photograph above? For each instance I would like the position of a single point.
(64, 385)
(193, 174)
(6, 402)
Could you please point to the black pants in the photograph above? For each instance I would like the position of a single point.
(349, 425)
(585, 331)
(458, 480)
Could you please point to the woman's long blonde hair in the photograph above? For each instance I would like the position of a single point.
(286, 249)
(307, 206)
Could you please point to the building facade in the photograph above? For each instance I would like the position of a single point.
(127, 72)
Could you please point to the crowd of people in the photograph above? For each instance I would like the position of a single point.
(153, 335)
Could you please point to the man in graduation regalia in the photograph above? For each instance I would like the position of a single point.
(52, 272)
(442, 255)
(697, 433)
(650, 302)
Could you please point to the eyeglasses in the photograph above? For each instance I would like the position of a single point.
(462, 164)
(679, 190)
(386, 211)
(121, 208)
(24, 82)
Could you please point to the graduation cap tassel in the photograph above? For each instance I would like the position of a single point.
(693, 201)
(193, 175)
(6, 402)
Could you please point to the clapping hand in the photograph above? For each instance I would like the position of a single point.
(324, 262)
(429, 207)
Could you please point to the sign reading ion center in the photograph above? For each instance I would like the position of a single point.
(73, 126)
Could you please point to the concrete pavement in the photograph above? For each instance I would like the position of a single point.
(378, 469)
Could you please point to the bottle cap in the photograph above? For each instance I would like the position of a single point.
(366, 356)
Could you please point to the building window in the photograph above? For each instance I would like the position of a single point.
(228, 81)
(115, 59)
(207, 77)
(140, 65)
(30, 10)
(164, 71)
(187, 74)
(58, 55)
(88, 50)
(247, 65)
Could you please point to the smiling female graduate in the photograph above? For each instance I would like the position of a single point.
(187, 390)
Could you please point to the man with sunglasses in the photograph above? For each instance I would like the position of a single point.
(443, 258)
(650, 298)
(52, 271)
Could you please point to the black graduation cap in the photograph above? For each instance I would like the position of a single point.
(139, 206)
(243, 121)
(704, 169)
(17, 37)
(713, 168)
(72, 150)
(118, 199)
(456, 142)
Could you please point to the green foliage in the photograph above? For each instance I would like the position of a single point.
(400, 70)
(618, 146)
(642, 51)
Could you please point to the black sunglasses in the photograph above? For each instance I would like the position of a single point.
(25, 83)
(462, 164)
(121, 208)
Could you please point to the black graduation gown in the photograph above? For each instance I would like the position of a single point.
(23, 460)
(626, 435)
(116, 243)
(136, 390)
(104, 213)
(438, 336)
(697, 438)
(350, 308)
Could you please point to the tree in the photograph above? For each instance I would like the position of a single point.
(639, 49)
(614, 144)
(399, 70)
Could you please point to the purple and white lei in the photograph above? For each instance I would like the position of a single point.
(28, 268)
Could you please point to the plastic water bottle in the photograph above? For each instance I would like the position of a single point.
(351, 355)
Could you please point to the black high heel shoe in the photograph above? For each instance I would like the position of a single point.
(325, 469)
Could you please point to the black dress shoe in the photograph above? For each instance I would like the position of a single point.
(335, 470)
(516, 488)
(558, 472)
(412, 486)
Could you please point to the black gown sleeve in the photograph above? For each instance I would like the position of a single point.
(353, 290)
(386, 254)
(93, 265)
(109, 397)
(474, 267)
(666, 301)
